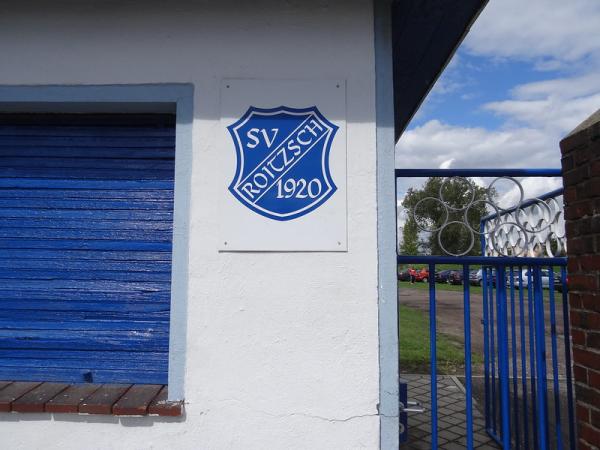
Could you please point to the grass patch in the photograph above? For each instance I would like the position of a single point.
(414, 346)
(474, 290)
(439, 287)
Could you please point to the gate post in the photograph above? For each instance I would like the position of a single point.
(581, 177)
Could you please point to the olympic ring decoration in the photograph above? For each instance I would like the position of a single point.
(532, 227)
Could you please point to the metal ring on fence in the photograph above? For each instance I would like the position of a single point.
(520, 210)
(560, 246)
(466, 219)
(557, 212)
(470, 234)
(494, 243)
(441, 193)
(432, 230)
(514, 180)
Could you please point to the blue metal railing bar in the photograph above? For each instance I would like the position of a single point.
(504, 376)
(468, 368)
(523, 359)
(532, 355)
(540, 353)
(493, 338)
(515, 373)
(486, 348)
(486, 343)
(554, 350)
(433, 356)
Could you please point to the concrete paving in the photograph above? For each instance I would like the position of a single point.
(451, 416)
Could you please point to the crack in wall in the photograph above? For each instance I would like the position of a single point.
(312, 416)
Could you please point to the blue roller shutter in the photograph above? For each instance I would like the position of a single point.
(86, 218)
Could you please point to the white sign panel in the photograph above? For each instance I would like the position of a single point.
(283, 166)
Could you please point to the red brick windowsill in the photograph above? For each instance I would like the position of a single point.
(113, 399)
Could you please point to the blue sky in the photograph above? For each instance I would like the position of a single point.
(526, 74)
(471, 81)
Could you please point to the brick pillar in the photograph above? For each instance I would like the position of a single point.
(581, 177)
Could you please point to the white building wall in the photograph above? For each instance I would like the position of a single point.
(282, 348)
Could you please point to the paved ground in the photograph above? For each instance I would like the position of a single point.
(451, 416)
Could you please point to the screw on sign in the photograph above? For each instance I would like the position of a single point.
(282, 169)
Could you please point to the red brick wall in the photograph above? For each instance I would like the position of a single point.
(581, 176)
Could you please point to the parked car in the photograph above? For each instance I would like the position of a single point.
(442, 276)
(475, 277)
(403, 275)
(455, 277)
(545, 273)
(420, 275)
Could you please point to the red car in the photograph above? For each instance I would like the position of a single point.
(419, 275)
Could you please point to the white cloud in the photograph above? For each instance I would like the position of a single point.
(562, 87)
(556, 106)
(435, 143)
(553, 32)
(447, 164)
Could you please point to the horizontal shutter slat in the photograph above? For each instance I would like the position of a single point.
(86, 210)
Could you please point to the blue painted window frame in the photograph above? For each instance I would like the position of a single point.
(136, 98)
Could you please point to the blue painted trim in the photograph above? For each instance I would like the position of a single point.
(181, 236)
(426, 173)
(389, 410)
(86, 97)
(136, 98)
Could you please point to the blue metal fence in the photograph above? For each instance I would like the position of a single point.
(528, 402)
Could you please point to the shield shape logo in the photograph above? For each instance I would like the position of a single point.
(282, 169)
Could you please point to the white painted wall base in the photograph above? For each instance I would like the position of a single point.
(282, 348)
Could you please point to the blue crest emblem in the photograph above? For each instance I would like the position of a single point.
(282, 167)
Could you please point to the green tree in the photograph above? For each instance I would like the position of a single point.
(410, 238)
(424, 207)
